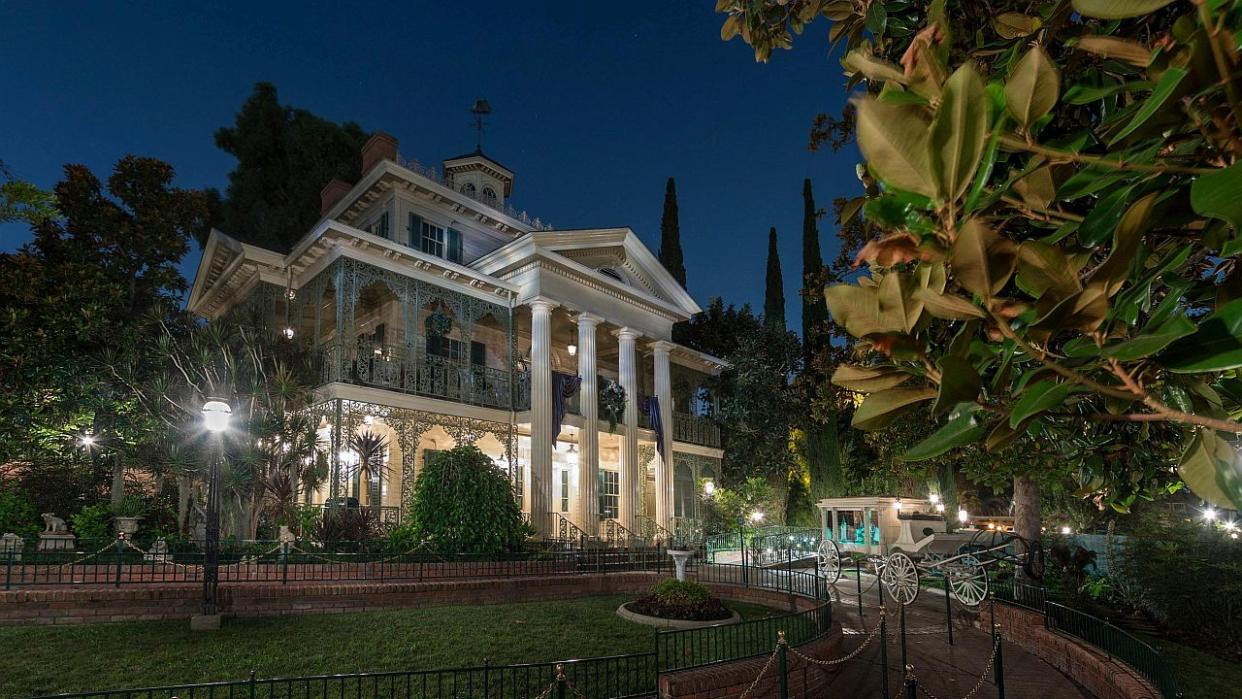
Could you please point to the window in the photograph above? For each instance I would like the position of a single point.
(468, 189)
(565, 491)
(455, 350)
(489, 195)
(378, 226)
(519, 485)
(432, 240)
(609, 494)
(683, 491)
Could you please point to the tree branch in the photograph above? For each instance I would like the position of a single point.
(1167, 413)
(1016, 143)
(1066, 372)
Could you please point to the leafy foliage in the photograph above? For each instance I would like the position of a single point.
(670, 235)
(22, 201)
(1052, 254)
(611, 402)
(17, 514)
(462, 503)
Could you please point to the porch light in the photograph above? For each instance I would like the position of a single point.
(216, 415)
(573, 349)
(897, 504)
(1066, 531)
(756, 516)
(963, 516)
(709, 488)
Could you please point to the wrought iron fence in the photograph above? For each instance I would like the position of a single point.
(694, 429)
(686, 648)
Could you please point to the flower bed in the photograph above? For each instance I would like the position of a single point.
(681, 600)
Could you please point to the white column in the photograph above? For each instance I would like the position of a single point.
(631, 475)
(588, 438)
(541, 415)
(664, 467)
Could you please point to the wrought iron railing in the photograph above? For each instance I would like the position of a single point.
(694, 429)
(644, 419)
(688, 531)
(389, 515)
(435, 175)
(565, 530)
(409, 370)
(612, 532)
(686, 648)
(652, 530)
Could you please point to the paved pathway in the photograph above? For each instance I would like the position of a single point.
(944, 671)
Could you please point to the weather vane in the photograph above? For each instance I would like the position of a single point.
(480, 109)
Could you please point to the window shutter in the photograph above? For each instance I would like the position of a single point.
(415, 230)
(435, 346)
(478, 353)
(454, 245)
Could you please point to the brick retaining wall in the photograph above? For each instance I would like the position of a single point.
(732, 679)
(1104, 677)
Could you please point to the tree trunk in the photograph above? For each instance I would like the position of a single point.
(183, 504)
(1026, 508)
(118, 479)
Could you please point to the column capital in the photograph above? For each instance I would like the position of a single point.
(541, 303)
(627, 333)
(588, 319)
(662, 346)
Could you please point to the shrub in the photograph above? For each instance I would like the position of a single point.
(340, 526)
(672, 591)
(17, 515)
(676, 599)
(93, 523)
(463, 503)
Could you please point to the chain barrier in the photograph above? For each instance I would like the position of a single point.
(837, 661)
(983, 677)
(766, 666)
(108, 547)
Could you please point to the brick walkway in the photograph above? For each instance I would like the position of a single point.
(944, 671)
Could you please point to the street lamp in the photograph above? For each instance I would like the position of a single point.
(756, 516)
(216, 415)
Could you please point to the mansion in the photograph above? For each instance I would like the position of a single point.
(438, 315)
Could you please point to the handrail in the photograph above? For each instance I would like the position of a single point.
(653, 530)
(614, 532)
(566, 530)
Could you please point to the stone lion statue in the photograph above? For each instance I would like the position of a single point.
(53, 524)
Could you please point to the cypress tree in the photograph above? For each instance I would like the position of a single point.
(670, 236)
(814, 310)
(774, 293)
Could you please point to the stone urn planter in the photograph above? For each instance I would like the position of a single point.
(679, 561)
(126, 525)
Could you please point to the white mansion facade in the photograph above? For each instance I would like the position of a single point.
(437, 315)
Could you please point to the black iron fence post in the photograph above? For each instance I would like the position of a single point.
(8, 571)
(487, 679)
(903, 635)
(948, 608)
(858, 577)
(782, 663)
(284, 563)
(884, 650)
(120, 551)
(789, 569)
(999, 665)
(912, 683)
(252, 685)
(560, 681)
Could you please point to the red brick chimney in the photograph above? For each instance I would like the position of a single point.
(380, 146)
(331, 193)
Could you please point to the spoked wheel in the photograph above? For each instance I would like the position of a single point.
(901, 578)
(968, 580)
(1033, 560)
(829, 561)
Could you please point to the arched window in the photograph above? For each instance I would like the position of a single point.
(683, 490)
(468, 189)
(489, 195)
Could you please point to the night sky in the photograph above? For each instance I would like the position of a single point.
(595, 105)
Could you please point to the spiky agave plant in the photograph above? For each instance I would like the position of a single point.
(372, 450)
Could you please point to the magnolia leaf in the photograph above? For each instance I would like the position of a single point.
(1011, 25)
(1044, 268)
(1003, 436)
(1160, 95)
(1215, 346)
(867, 379)
(855, 307)
(894, 140)
(958, 132)
(1151, 341)
(1117, 9)
(1127, 239)
(948, 306)
(898, 308)
(879, 409)
(1219, 195)
(874, 69)
(962, 428)
(890, 250)
(1037, 187)
(1211, 468)
(1044, 395)
(1124, 50)
(1033, 86)
(982, 259)
(959, 383)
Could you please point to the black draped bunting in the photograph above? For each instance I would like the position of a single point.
(564, 386)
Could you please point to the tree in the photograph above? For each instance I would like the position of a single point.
(285, 155)
(1059, 238)
(670, 235)
(22, 201)
(463, 503)
(814, 315)
(774, 291)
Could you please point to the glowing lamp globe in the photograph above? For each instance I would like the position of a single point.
(963, 516)
(216, 415)
(756, 516)
(709, 488)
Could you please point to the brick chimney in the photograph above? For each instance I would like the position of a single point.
(380, 146)
(331, 193)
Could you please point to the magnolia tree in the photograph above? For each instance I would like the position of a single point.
(1056, 206)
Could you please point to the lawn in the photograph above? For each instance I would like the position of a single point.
(44, 660)
(1202, 675)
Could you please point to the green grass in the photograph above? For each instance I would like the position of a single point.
(1202, 675)
(45, 660)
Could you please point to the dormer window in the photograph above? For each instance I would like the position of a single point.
(489, 195)
(468, 189)
(435, 240)
(432, 240)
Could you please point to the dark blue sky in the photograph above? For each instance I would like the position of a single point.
(596, 104)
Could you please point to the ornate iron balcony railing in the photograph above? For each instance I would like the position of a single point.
(411, 370)
(615, 533)
(652, 531)
(694, 429)
(566, 531)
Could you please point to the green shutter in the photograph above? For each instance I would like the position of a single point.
(478, 353)
(415, 229)
(454, 245)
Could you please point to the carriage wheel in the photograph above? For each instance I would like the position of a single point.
(968, 580)
(829, 561)
(901, 578)
(1033, 562)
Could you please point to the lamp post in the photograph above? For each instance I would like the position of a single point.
(216, 419)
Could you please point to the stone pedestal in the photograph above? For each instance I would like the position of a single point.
(11, 546)
(679, 562)
(56, 542)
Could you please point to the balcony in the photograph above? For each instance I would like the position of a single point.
(408, 370)
(694, 429)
